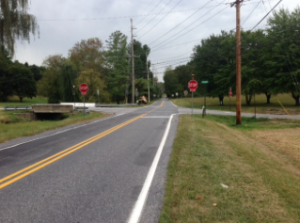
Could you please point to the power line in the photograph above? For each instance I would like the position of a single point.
(181, 22)
(266, 15)
(171, 61)
(116, 17)
(250, 13)
(150, 11)
(175, 45)
(155, 16)
(190, 29)
(161, 19)
(168, 58)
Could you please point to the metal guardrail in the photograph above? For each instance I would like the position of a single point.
(7, 108)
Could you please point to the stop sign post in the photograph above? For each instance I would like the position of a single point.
(83, 88)
(193, 85)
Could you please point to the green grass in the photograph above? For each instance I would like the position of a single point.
(229, 105)
(14, 101)
(12, 127)
(263, 180)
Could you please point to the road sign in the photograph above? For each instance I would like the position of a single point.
(83, 88)
(230, 93)
(185, 92)
(204, 82)
(193, 85)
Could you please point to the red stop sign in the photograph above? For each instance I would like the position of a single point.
(83, 88)
(193, 85)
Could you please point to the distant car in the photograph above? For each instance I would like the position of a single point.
(142, 100)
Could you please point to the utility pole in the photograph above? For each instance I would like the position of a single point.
(238, 62)
(132, 59)
(148, 77)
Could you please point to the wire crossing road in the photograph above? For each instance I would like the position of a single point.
(112, 170)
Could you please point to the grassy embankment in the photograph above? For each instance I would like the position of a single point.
(11, 126)
(261, 104)
(258, 161)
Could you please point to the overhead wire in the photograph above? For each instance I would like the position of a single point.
(154, 17)
(181, 22)
(266, 15)
(116, 17)
(161, 19)
(150, 11)
(250, 13)
(169, 41)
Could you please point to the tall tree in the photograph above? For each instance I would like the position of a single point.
(23, 83)
(285, 62)
(88, 57)
(15, 23)
(117, 63)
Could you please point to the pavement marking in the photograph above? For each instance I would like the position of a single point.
(4, 182)
(138, 207)
(59, 132)
(156, 117)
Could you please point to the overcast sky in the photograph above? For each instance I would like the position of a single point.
(185, 23)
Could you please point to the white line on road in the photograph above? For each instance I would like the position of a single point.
(59, 132)
(138, 207)
(156, 117)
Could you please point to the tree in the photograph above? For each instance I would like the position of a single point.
(58, 79)
(23, 81)
(285, 61)
(88, 58)
(15, 23)
(5, 82)
(214, 60)
(116, 60)
(171, 82)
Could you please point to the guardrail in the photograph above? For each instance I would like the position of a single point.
(12, 108)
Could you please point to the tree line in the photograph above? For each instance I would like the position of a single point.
(270, 61)
(106, 69)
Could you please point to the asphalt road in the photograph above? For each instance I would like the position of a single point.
(101, 177)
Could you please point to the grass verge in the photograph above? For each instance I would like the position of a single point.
(14, 101)
(12, 127)
(261, 106)
(263, 178)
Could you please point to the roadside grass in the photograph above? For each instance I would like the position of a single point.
(12, 127)
(258, 161)
(14, 101)
(261, 104)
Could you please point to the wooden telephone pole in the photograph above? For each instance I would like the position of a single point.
(132, 59)
(238, 62)
(148, 77)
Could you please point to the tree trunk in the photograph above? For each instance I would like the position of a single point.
(221, 98)
(248, 99)
(296, 97)
(268, 97)
(21, 99)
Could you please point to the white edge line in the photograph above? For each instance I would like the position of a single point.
(138, 207)
(59, 132)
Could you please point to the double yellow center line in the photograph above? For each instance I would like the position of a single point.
(4, 182)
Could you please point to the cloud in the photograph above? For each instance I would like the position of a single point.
(63, 23)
